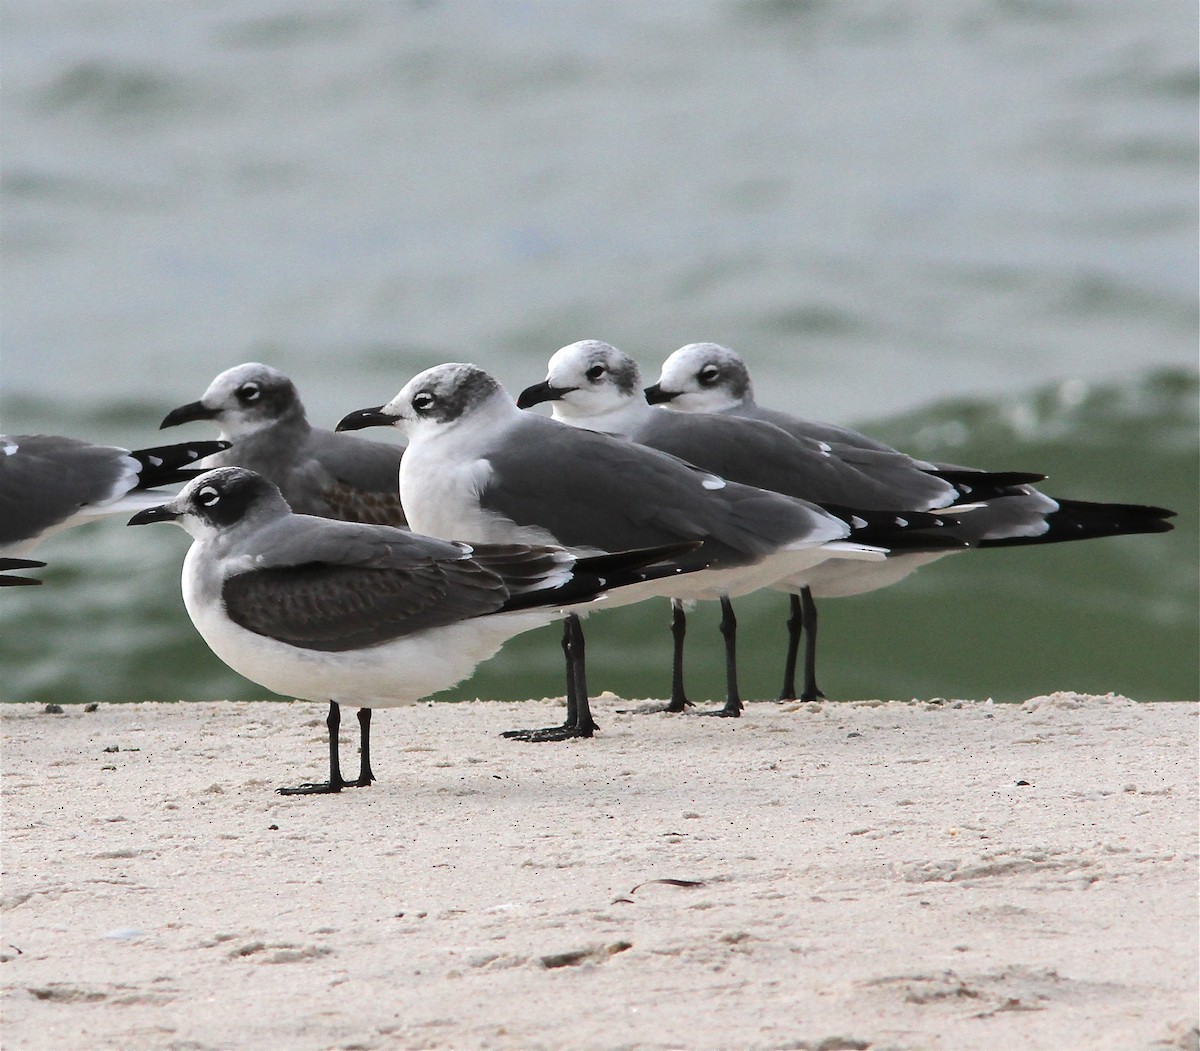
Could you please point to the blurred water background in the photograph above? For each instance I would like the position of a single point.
(969, 228)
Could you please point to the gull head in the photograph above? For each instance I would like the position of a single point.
(585, 380)
(702, 377)
(218, 501)
(441, 397)
(242, 400)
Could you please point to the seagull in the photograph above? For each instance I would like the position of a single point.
(10, 565)
(49, 483)
(363, 614)
(479, 468)
(707, 378)
(592, 384)
(319, 472)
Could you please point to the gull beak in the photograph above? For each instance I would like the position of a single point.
(541, 392)
(195, 410)
(161, 513)
(656, 395)
(360, 418)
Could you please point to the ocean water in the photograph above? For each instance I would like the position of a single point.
(968, 228)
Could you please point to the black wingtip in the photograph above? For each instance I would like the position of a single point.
(168, 464)
(1083, 520)
(7, 564)
(981, 485)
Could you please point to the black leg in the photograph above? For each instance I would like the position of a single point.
(733, 700)
(572, 683)
(583, 723)
(365, 775)
(679, 701)
(811, 691)
(335, 783)
(579, 713)
(795, 624)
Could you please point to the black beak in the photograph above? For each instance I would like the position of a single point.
(656, 395)
(154, 514)
(187, 413)
(360, 418)
(541, 392)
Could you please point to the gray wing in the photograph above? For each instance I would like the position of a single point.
(322, 473)
(758, 453)
(45, 479)
(811, 429)
(591, 491)
(355, 586)
(362, 477)
(295, 540)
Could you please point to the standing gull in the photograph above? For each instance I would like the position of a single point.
(258, 410)
(710, 378)
(49, 483)
(594, 385)
(480, 469)
(360, 614)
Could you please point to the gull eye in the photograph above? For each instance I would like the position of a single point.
(595, 372)
(207, 496)
(708, 375)
(248, 393)
(423, 402)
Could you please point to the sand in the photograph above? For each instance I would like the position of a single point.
(950, 875)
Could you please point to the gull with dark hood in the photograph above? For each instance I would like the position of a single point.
(258, 409)
(361, 614)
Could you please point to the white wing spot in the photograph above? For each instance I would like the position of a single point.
(157, 461)
(825, 447)
(713, 482)
(857, 522)
(901, 522)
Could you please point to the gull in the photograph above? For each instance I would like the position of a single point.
(593, 385)
(49, 483)
(478, 468)
(259, 411)
(707, 378)
(368, 615)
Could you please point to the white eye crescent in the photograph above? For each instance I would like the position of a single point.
(249, 392)
(206, 495)
(423, 402)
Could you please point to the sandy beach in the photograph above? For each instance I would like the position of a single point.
(925, 874)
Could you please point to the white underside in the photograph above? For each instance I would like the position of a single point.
(839, 578)
(384, 676)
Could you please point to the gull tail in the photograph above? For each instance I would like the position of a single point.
(982, 485)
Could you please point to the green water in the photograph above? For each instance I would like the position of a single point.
(940, 209)
(1117, 614)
